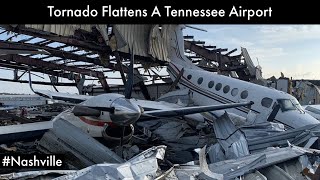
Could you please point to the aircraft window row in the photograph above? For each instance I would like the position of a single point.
(218, 86)
(200, 80)
(244, 94)
(210, 84)
(226, 89)
(234, 91)
(266, 102)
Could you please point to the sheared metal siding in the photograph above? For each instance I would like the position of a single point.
(136, 36)
(68, 29)
(146, 40)
(60, 29)
(248, 60)
(159, 42)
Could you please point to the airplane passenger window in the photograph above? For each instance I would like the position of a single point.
(244, 94)
(200, 80)
(218, 86)
(211, 84)
(266, 102)
(189, 76)
(226, 89)
(234, 91)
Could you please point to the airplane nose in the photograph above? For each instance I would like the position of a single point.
(125, 112)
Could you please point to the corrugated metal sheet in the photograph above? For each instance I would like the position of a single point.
(60, 29)
(230, 138)
(146, 40)
(251, 67)
(136, 36)
(159, 42)
(68, 29)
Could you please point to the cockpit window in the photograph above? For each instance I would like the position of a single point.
(297, 104)
(286, 105)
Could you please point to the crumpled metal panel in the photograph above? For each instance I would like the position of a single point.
(65, 138)
(251, 67)
(230, 169)
(215, 153)
(275, 172)
(254, 176)
(230, 138)
(136, 37)
(262, 130)
(146, 40)
(143, 166)
(36, 174)
(60, 29)
(171, 131)
(159, 41)
(240, 166)
(68, 29)
(294, 168)
(299, 136)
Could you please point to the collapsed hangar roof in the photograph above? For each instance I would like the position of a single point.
(71, 50)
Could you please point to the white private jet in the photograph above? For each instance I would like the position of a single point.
(210, 88)
(94, 113)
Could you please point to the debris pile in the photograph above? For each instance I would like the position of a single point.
(172, 148)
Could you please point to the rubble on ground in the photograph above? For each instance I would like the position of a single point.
(169, 148)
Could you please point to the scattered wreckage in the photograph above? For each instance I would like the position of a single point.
(125, 138)
(172, 149)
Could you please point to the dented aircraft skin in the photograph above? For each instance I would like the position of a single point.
(211, 88)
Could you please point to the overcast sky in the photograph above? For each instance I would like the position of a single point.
(291, 49)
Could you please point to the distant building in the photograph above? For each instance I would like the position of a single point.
(22, 100)
(306, 92)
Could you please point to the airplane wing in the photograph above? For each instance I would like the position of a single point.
(165, 109)
(73, 98)
(148, 105)
(7, 108)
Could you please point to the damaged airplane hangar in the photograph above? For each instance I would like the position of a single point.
(203, 124)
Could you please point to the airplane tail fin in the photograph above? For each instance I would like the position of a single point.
(178, 60)
(176, 47)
